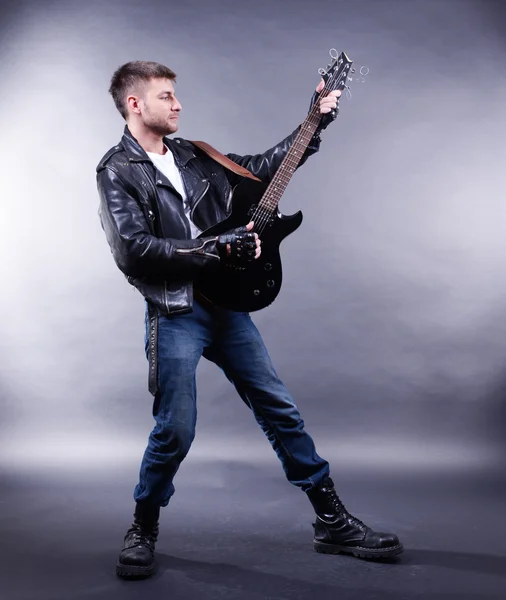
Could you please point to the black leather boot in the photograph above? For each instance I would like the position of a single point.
(336, 530)
(136, 559)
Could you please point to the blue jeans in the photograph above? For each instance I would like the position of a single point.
(230, 340)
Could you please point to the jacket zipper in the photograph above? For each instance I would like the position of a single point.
(155, 196)
(198, 200)
(182, 168)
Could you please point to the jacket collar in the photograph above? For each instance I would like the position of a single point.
(180, 148)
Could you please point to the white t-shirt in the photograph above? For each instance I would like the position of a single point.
(165, 163)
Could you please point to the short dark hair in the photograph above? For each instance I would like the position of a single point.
(131, 76)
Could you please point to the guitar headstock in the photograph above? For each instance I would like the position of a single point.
(339, 72)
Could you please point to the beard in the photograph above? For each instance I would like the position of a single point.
(161, 125)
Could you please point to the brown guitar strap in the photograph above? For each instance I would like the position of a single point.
(223, 160)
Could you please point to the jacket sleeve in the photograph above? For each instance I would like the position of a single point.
(135, 250)
(265, 165)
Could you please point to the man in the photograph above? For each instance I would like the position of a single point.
(157, 195)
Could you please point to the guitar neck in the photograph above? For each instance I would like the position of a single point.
(335, 77)
(281, 179)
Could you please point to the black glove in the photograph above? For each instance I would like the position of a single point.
(327, 118)
(243, 246)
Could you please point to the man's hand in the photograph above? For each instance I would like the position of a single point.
(258, 241)
(239, 246)
(329, 106)
(328, 103)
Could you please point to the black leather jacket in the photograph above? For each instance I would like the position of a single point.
(143, 218)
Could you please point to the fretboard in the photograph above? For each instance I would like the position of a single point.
(281, 179)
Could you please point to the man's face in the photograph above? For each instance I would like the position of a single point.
(159, 107)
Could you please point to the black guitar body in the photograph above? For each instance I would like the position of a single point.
(256, 286)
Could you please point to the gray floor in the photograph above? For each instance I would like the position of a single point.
(242, 532)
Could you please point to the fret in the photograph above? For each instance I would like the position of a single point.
(284, 180)
(288, 166)
(282, 173)
(281, 181)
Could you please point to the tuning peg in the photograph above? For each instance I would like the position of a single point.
(333, 53)
(362, 74)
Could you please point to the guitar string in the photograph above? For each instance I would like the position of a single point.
(262, 216)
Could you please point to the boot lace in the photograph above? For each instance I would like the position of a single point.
(337, 503)
(139, 538)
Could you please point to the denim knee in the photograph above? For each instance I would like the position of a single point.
(173, 440)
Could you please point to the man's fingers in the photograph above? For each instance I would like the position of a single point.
(330, 101)
(333, 93)
(328, 104)
(258, 250)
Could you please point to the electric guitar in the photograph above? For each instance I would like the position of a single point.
(255, 286)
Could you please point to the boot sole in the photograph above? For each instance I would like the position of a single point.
(133, 571)
(358, 551)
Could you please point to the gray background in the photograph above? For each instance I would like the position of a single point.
(389, 329)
